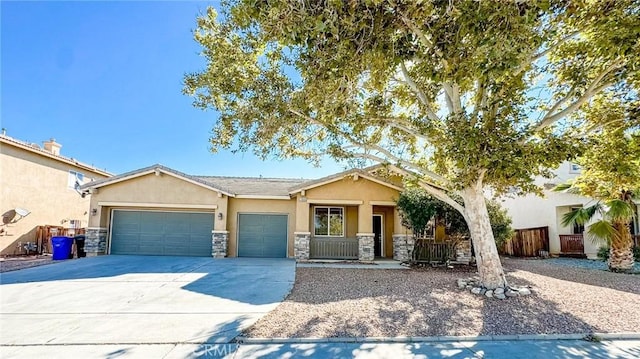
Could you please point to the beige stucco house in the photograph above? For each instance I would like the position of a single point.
(534, 211)
(159, 211)
(38, 187)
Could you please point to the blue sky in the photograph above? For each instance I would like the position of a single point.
(104, 79)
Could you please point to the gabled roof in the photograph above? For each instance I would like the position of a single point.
(152, 169)
(364, 173)
(34, 148)
(245, 187)
(255, 187)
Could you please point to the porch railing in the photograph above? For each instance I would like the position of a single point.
(571, 244)
(333, 248)
(429, 250)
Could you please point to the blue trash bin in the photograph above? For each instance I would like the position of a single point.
(61, 247)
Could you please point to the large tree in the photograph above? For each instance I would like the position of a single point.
(464, 95)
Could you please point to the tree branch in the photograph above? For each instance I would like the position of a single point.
(430, 114)
(452, 95)
(448, 97)
(403, 127)
(390, 156)
(406, 163)
(595, 87)
(436, 192)
(481, 98)
(422, 37)
(536, 56)
(543, 53)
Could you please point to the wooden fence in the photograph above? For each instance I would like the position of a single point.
(44, 234)
(527, 242)
(333, 248)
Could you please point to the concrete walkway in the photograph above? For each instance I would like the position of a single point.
(524, 349)
(138, 300)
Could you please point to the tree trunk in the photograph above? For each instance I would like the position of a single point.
(621, 252)
(487, 258)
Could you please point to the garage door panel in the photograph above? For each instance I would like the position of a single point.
(161, 233)
(262, 235)
(149, 244)
(129, 243)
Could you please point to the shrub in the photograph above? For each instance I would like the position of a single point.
(417, 208)
(603, 253)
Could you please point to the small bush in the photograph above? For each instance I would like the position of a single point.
(603, 253)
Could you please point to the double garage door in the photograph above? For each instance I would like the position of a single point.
(161, 233)
(189, 234)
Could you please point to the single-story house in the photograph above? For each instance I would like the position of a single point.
(160, 211)
(532, 211)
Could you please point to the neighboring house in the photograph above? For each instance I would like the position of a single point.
(159, 211)
(532, 211)
(38, 187)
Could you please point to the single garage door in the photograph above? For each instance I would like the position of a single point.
(262, 235)
(161, 233)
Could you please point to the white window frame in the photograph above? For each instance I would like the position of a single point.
(329, 208)
(73, 177)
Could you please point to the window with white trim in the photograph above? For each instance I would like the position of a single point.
(329, 221)
(75, 180)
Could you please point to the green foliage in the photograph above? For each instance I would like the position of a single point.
(603, 253)
(417, 208)
(459, 91)
(464, 95)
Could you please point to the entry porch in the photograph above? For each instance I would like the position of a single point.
(348, 230)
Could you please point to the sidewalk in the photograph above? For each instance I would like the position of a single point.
(543, 349)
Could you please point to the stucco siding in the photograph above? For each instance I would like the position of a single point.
(348, 189)
(161, 193)
(534, 211)
(39, 184)
(259, 206)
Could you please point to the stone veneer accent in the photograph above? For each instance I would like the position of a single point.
(301, 246)
(402, 247)
(219, 240)
(463, 250)
(95, 242)
(365, 246)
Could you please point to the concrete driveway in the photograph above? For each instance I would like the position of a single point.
(139, 300)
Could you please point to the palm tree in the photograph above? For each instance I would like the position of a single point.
(612, 227)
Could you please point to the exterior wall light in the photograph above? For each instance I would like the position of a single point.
(220, 215)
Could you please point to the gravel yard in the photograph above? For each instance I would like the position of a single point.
(16, 263)
(327, 302)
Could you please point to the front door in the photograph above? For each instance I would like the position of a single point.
(377, 239)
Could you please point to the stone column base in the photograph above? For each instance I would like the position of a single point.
(463, 250)
(365, 246)
(219, 240)
(301, 246)
(95, 242)
(402, 247)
